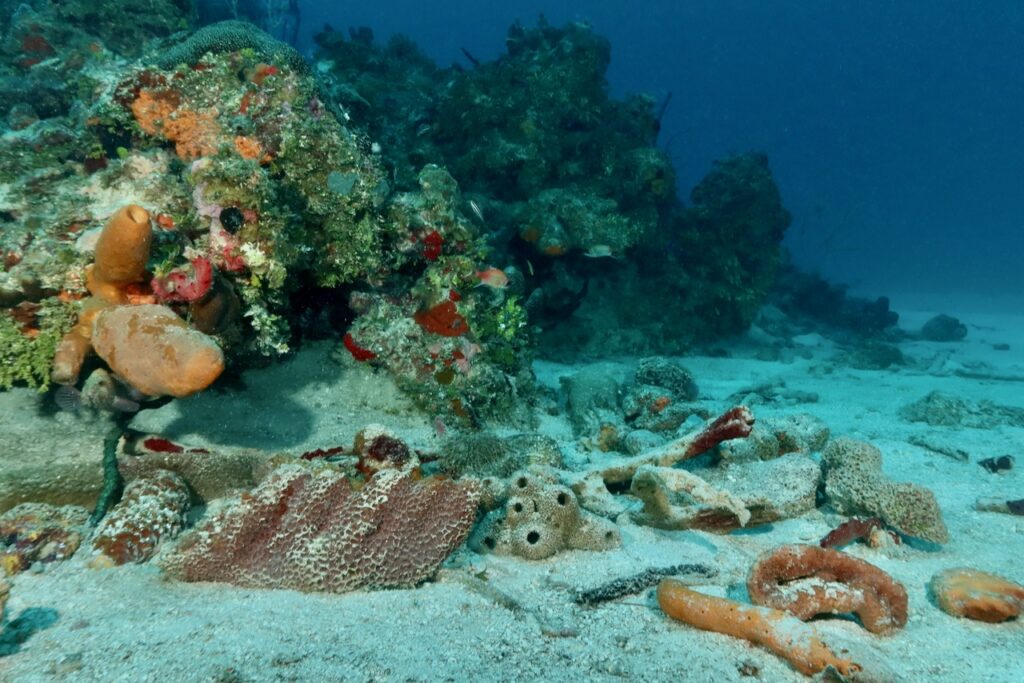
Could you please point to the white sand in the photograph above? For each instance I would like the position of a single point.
(128, 624)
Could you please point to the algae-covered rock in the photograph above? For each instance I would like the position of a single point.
(37, 533)
(941, 409)
(855, 485)
(664, 373)
(485, 454)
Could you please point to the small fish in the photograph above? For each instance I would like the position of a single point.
(476, 210)
(600, 251)
(68, 398)
(529, 267)
(493, 277)
(423, 130)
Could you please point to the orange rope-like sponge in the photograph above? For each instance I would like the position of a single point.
(978, 595)
(778, 631)
(807, 580)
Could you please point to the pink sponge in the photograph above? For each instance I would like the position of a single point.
(310, 530)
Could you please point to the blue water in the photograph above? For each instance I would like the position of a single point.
(893, 129)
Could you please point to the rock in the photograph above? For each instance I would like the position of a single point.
(55, 459)
(485, 454)
(661, 372)
(855, 485)
(592, 398)
(943, 328)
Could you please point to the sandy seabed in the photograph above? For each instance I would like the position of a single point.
(74, 623)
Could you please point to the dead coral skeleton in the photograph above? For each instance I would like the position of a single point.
(592, 484)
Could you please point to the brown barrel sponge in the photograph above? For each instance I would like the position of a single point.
(807, 580)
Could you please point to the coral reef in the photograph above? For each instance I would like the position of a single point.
(977, 595)
(29, 337)
(151, 510)
(539, 519)
(773, 629)
(571, 186)
(808, 580)
(155, 351)
(855, 485)
(312, 530)
(230, 36)
(34, 533)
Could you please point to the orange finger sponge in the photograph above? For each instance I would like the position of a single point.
(121, 254)
(778, 631)
(153, 350)
(977, 595)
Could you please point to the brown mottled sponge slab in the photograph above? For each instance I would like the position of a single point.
(807, 580)
(314, 530)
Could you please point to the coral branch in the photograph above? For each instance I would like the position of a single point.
(735, 423)
(773, 629)
(807, 581)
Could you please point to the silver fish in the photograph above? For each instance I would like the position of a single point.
(476, 210)
(600, 251)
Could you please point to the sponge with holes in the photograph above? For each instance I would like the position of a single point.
(540, 518)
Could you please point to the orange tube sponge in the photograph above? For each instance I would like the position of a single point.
(121, 255)
(773, 629)
(807, 580)
(153, 349)
(977, 595)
